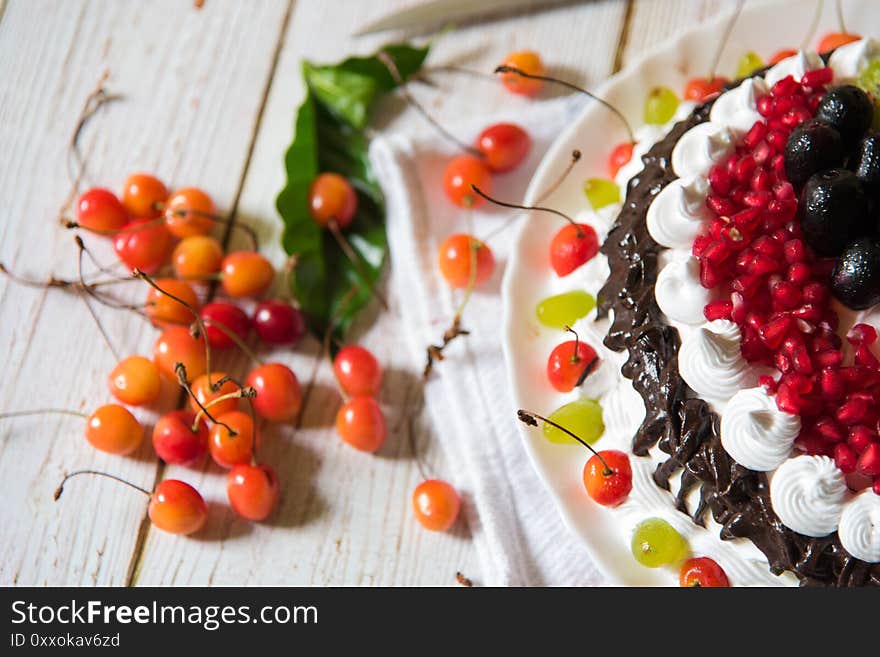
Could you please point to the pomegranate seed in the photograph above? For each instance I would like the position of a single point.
(767, 246)
(831, 384)
(762, 153)
(786, 295)
(718, 310)
(768, 383)
(795, 250)
(710, 276)
(777, 139)
(817, 78)
(876, 486)
(700, 244)
(747, 284)
(845, 459)
(773, 333)
(810, 443)
(865, 358)
(785, 87)
(782, 362)
(787, 400)
(814, 293)
(755, 134)
(719, 180)
(760, 180)
(762, 264)
(862, 334)
(759, 199)
(869, 461)
(852, 411)
(723, 207)
(829, 430)
(798, 273)
(716, 253)
(828, 358)
(783, 191)
(765, 106)
(747, 219)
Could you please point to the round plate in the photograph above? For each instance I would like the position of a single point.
(528, 278)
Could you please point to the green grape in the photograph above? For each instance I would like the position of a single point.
(869, 81)
(582, 417)
(564, 309)
(601, 192)
(660, 105)
(655, 543)
(748, 64)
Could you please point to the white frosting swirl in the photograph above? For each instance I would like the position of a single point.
(711, 363)
(699, 148)
(859, 529)
(736, 108)
(795, 66)
(755, 432)
(679, 293)
(848, 60)
(808, 493)
(675, 216)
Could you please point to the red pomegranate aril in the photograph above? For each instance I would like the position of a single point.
(747, 284)
(761, 180)
(783, 191)
(798, 274)
(767, 382)
(865, 358)
(719, 180)
(831, 384)
(767, 246)
(876, 486)
(773, 333)
(829, 430)
(862, 334)
(747, 220)
(716, 253)
(782, 362)
(817, 77)
(700, 244)
(762, 264)
(788, 400)
(777, 139)
(795, 251)
(852, 411)
(845, 458)
(744, 169)
(755, 134)
(786, 295)
(785, 87)
(828, 358)
(762, 153)
(814, 293)
(869, 461)
(765, 106)
(718, 310)
(795, 117)
(710, 276)
(723, 207)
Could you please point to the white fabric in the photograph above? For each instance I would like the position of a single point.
(519, 535)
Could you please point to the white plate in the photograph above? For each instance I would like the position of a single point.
(764, 28)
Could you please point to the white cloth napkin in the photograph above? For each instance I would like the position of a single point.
(519, 535)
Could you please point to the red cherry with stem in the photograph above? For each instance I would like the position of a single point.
(620, 156)
(573, 246)
(204, 393)
(278, 322)
(144, 195)
(834, 40)
(570, 362)
(252, 491)
(702, 572)
(436, 505)
(331, 196)
(176, 442)
(143, 244)
(189, 211)
(504, 146)
(246, 274)
(163, 310)
(357, 371)
(279, 396)
(456, 256)
(529, 62)
(135, 381)
(175, 506)
(99, 210)
(462, 174)
(702, 89)
(229, 316)
(607, 474)
(231, 448)
(361, 423)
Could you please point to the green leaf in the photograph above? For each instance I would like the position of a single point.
(330, 288)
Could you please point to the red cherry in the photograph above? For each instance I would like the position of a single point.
(436, 505)
(252, 491)
(279, 396)
(702, 572)
(231, 317)
(98, 209)
(702, 89)
(572, 246)
(331, 196)
(608, 486)
(175, 441)
(361, 424)
(177, 508)
(567, 363)
(455, 258)
(504, 146)
(277, 322)
(462, 172)
(143, 244)
(620, 156)
(834, 40)
(357, 371)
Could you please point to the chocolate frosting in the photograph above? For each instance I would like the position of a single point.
(685, 427)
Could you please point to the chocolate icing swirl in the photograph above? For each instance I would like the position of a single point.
(684, 427)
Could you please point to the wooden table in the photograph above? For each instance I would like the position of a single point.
(209, 100)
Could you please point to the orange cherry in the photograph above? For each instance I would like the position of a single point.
(620, 156)
(456, 257)
(252, 491)
(361, 423)
(779, 55)
(527, 61)
(197, 256)
(461, 173)
(143, 195)
(177, 508)
(189, 211)
(436, 505)
(702, 89)
(113, 429)
(834, 40)
(246, 274)
(203, 392)
(279, 396)
(227, 449)
(135, 381)
(331, 196)
(163, 310)
(176, 345)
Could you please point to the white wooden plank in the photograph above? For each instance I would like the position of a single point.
(193, 82)
(345, 517)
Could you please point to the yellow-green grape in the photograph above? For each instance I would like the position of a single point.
(655, 543)
(583, 417)
(601, 192)
(564, 309)
(748, 64)
(869, 80)
(660, 105)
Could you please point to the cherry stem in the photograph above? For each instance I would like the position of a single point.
(42, 411)
(137, 273)
(574, 357)
(536, 208)
(839, 7)
(531, 76)
(60, 489)
(727, 32)
(232, 335)
(100, 325)
(589, 369)
(349, 252)
(94, 101)
(116, 305)
(389, 63)
(180, 370)
(814, 25)
(242, 393)
(530, 418)
(226, 221)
